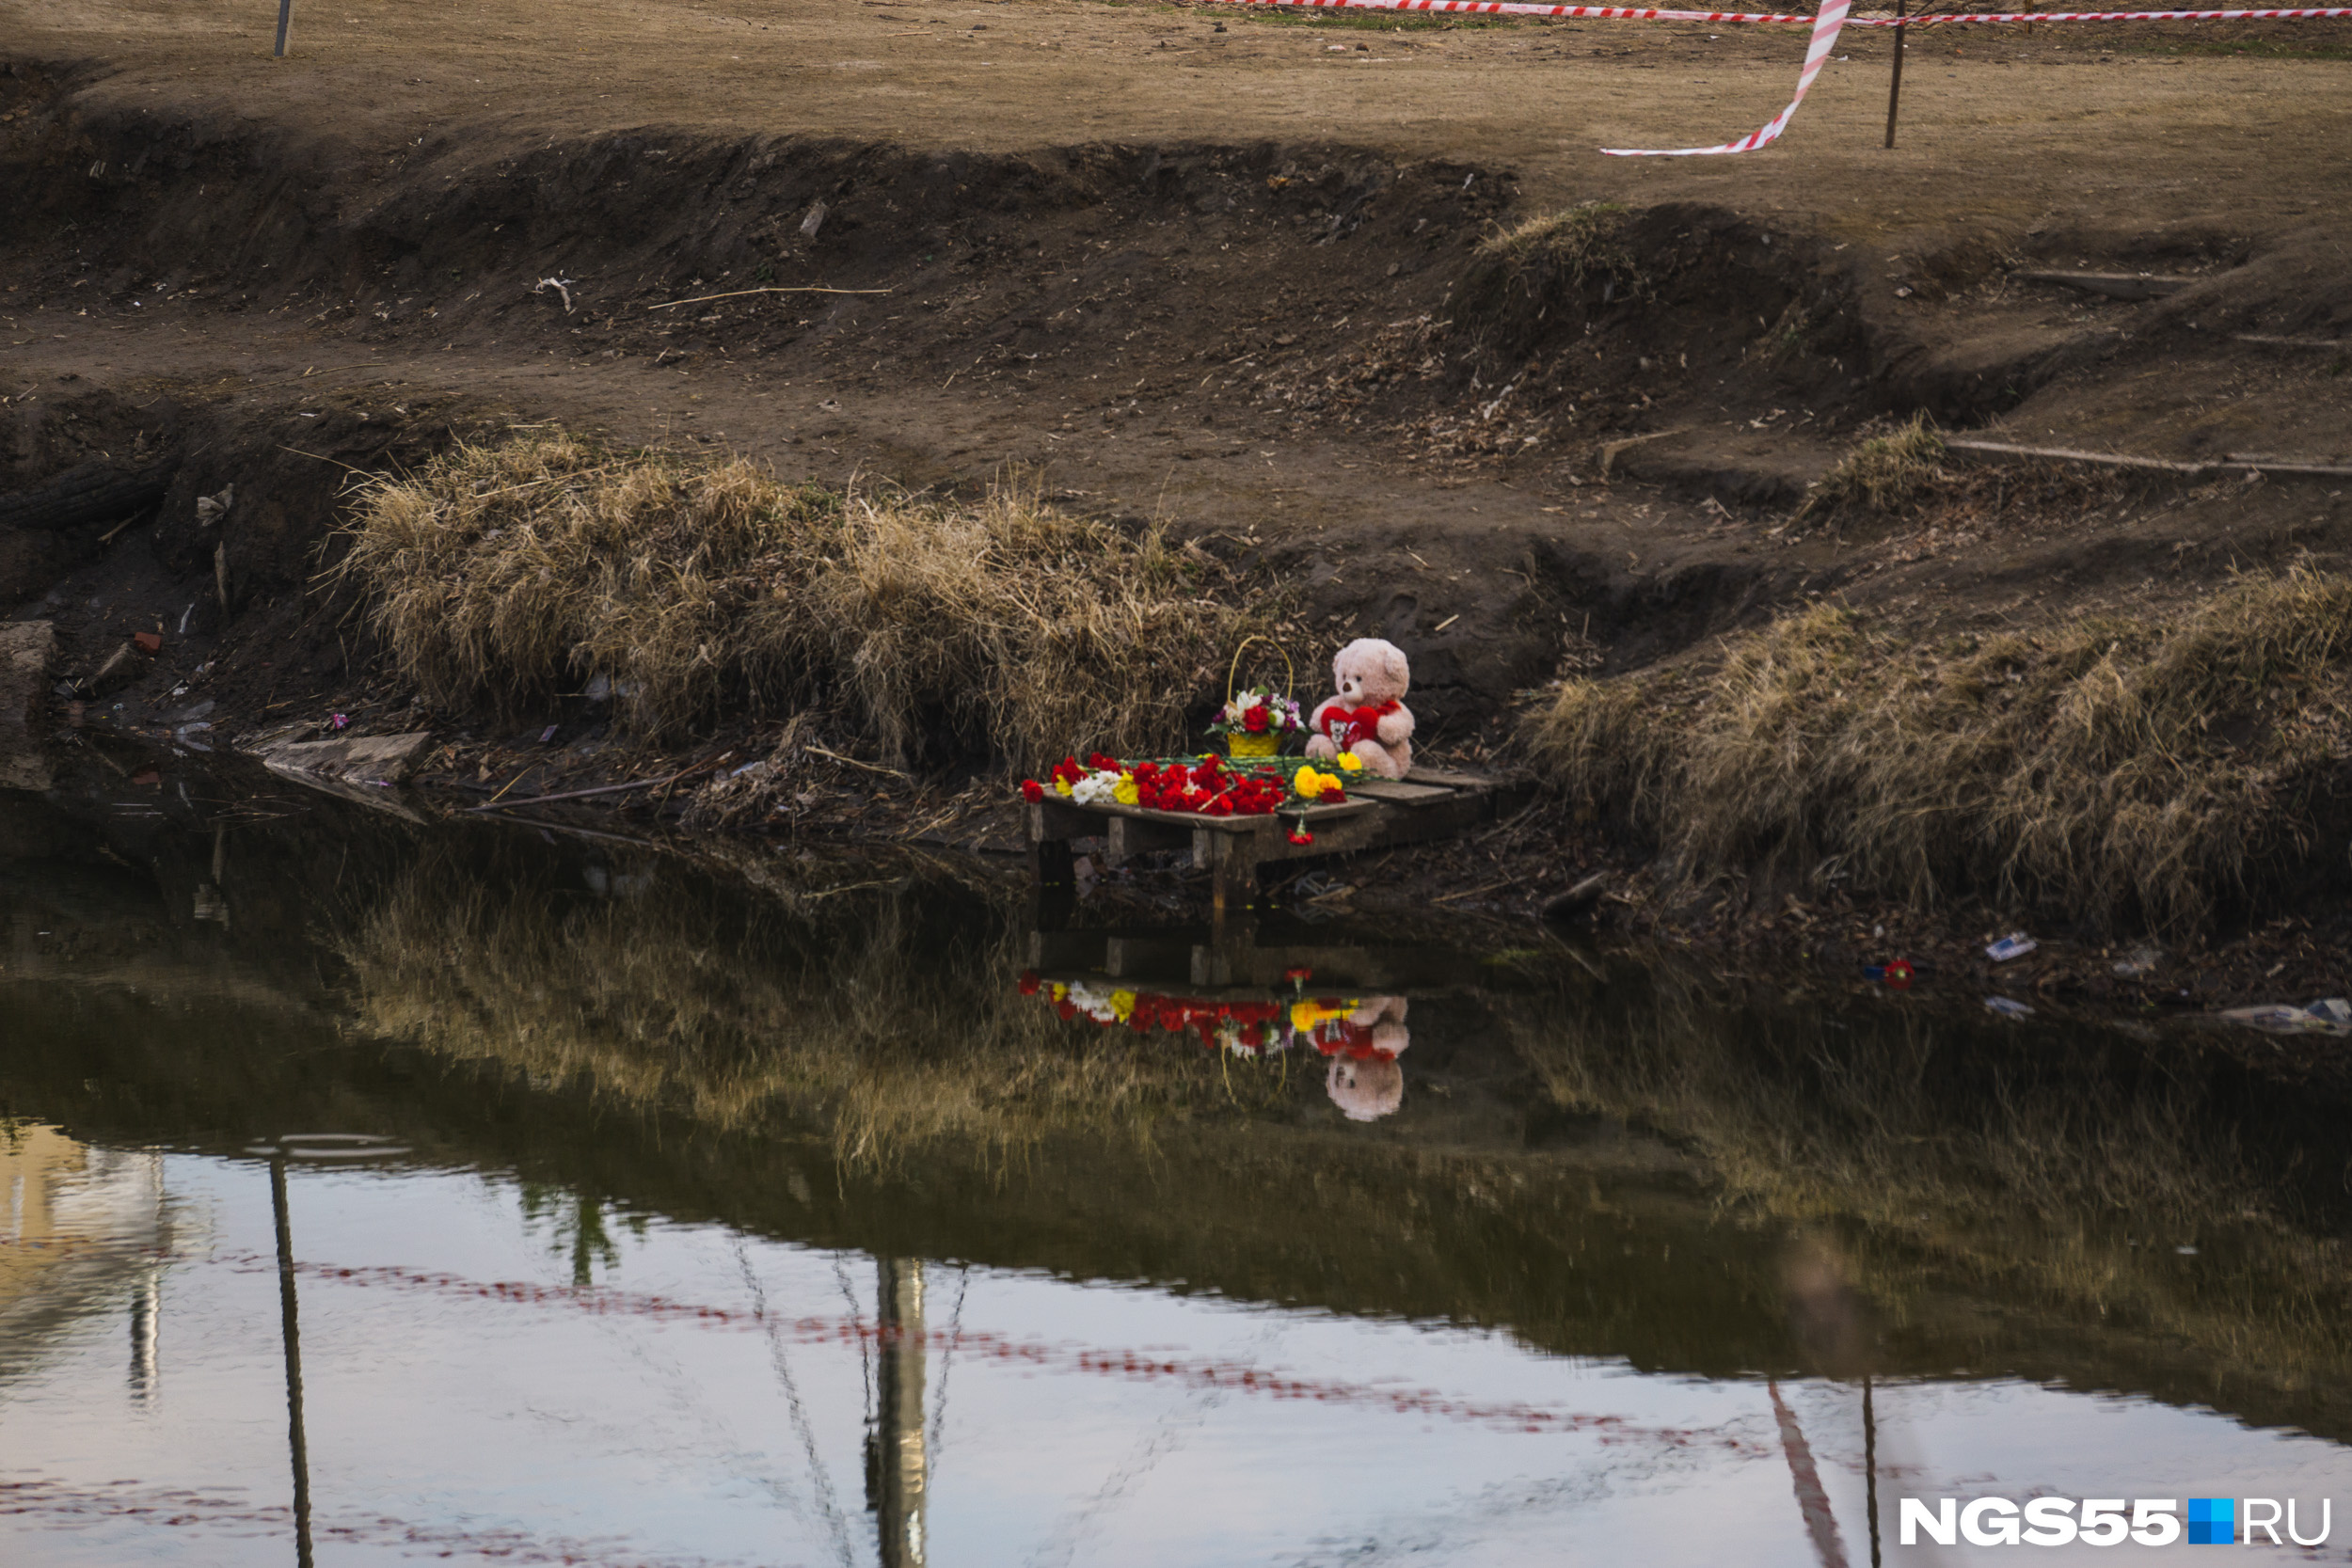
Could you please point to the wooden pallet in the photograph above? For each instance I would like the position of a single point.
(1379, 813)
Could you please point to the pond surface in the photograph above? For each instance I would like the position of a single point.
(379, 1193)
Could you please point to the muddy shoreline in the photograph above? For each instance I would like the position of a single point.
(1529, 417)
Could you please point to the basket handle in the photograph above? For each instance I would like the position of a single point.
(1290, 672)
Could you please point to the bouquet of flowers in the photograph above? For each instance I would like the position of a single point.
(1207, 788)
(1258, 712)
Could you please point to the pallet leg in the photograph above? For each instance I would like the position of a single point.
(1050, 907)
(1051, 863)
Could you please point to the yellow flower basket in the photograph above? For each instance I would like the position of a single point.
(1241, 743)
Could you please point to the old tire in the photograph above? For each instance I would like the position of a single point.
(88, 493)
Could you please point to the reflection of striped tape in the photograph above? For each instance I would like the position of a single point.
(1825, 28)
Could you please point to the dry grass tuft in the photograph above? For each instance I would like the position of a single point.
(1580, 241)
(1517, 274)
(2128, 771)
(1883, 475)
(508, 574)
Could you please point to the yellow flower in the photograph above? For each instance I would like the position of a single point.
(1123, 1004)
(1125, 792)
(1306, 1015)
(1061, 787)
(1307, 782)
(1350, 761)
(1061, 992)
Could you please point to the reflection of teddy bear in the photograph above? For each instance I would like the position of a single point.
(1367, 716)
(1365, 1081)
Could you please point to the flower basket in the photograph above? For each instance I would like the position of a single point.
(1255, 722)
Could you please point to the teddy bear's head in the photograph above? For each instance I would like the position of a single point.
(1369, 671)
(1366, 1089)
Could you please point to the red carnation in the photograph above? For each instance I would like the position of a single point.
(1255, 719)
(1032, 790)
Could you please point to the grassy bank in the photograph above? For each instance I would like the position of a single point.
(507, 575)
(2134, 770)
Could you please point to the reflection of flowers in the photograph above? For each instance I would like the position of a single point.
(1245, 1028)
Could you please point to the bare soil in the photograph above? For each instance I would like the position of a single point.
(1201, 264)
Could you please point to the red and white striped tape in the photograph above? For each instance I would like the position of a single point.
(1817, 50)
(1826, 29)
(1644, 13)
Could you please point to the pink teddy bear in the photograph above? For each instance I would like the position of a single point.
(1369, 717)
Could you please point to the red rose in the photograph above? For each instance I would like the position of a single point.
(1032, 790)
(1255, 721)
(1028, 982)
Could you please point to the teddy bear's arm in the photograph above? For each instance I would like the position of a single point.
(1314, 719)
(1395, 728)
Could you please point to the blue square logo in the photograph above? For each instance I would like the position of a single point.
(2211, 1521)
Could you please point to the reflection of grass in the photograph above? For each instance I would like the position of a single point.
(2067, 1190)
(894, 1031)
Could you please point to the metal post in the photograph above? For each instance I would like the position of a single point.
(1894, 88)
(298, 1447)
(285, 16)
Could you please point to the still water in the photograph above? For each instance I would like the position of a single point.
(379, 1193)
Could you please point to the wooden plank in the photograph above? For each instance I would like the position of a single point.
(1131, 837)
(2115, 285)
(2069, 455)
(1422, 775)
(1402, 794)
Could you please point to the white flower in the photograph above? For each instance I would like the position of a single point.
(1095, 788)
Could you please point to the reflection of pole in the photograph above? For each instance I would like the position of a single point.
(896, 1462)
(293, 1364)
(1871, 1465)
(147, 1303)
(147, 1300)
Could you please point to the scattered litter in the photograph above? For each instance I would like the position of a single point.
(2014, 945)
(2185, 1251)
(815, 220)
(186, 734)
(546, 734)
(338, 720)
(1898, 972)
(149, 641)
(561, 285)
(2007, 1006)
(2138, 961)
(211, 509)
(2330, 1016)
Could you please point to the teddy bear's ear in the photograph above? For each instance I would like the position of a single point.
(1396, 666)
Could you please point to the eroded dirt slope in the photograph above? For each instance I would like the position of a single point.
(1229, 279)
